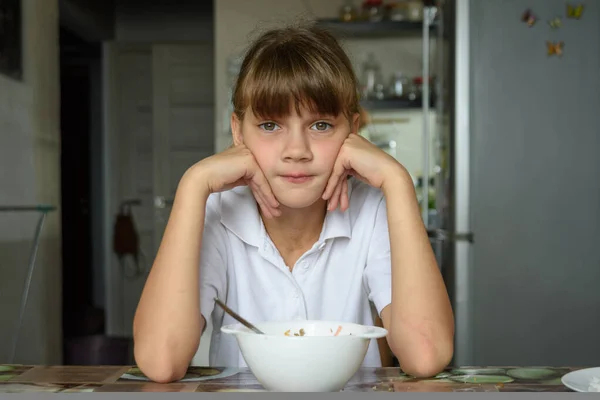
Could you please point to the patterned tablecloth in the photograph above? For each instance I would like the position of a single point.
(27, 378)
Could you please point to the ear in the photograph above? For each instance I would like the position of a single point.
(236, 130)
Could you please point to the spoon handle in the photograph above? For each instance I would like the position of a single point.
(237, 317)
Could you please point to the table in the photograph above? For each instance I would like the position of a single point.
(63, 379)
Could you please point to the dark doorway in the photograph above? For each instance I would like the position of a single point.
(80, 317)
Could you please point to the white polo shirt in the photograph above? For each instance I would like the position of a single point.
(341, 278)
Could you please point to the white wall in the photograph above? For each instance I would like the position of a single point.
(30, 174)
(238, 20)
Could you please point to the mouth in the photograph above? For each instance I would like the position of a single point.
(297, 178)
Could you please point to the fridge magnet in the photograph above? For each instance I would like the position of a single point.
(574, 12)
(529, 18)
(555, 48)
(555, 23)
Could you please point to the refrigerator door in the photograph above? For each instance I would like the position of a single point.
(434, 193)
(428, 19)
(534, 284)
(459, 277)
(449, 229)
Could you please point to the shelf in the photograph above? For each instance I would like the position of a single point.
(394, 104)
(368, 29)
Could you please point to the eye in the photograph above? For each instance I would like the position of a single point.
(321, 126)
(269, 126)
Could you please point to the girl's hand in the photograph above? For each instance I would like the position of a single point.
(362, 159)
(234, 167)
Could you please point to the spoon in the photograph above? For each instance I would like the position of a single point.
(237, 317)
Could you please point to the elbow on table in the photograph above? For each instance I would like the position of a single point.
(427, 363)
(423, 369)
(160, 369)
(163, 374)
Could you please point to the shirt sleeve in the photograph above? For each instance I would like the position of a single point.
(213, 259)
(378, 271)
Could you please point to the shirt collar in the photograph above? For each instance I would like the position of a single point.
(239, 214)
(337, 222)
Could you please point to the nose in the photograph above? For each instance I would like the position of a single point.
(297, 146)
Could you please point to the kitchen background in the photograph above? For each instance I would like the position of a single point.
(115, 99)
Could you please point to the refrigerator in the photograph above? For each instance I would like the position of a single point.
(517, 215)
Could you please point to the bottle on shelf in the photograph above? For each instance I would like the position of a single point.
(373, 10)
(348, 12)
(372, 79)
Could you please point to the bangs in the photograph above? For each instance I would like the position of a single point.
(302, 75)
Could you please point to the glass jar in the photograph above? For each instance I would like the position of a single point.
(371, 81)
(397, 11)
(412, 93)
(415, 10)
(348, 11)
(399, 85)
(418, 82)
(372, 10)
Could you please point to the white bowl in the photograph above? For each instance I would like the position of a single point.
(316, 362)
(581, 380)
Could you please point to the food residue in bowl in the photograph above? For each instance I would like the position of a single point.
(301, 332)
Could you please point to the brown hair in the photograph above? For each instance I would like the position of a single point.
(305, 65)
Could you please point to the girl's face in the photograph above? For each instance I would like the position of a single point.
(296, 153)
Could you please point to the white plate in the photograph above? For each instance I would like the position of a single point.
(579, 381)
(224, 374)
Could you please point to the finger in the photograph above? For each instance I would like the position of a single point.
(359, 176)
(274, 211)
(335, 197)
(343, 178)
(345, 199)
(338, 191)
(269, 211)
(334, 179)
(261, 203)
(264, 188)
(340, 188)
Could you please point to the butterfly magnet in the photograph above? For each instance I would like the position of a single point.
(555, 23)
(555, 48)
(574, 12)
(529, 18)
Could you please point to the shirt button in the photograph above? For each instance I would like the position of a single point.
(322, 246)
(305, 265)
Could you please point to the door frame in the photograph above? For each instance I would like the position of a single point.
(110, 179)
(112, 161)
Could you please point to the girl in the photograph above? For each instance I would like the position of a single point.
(275, 227)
